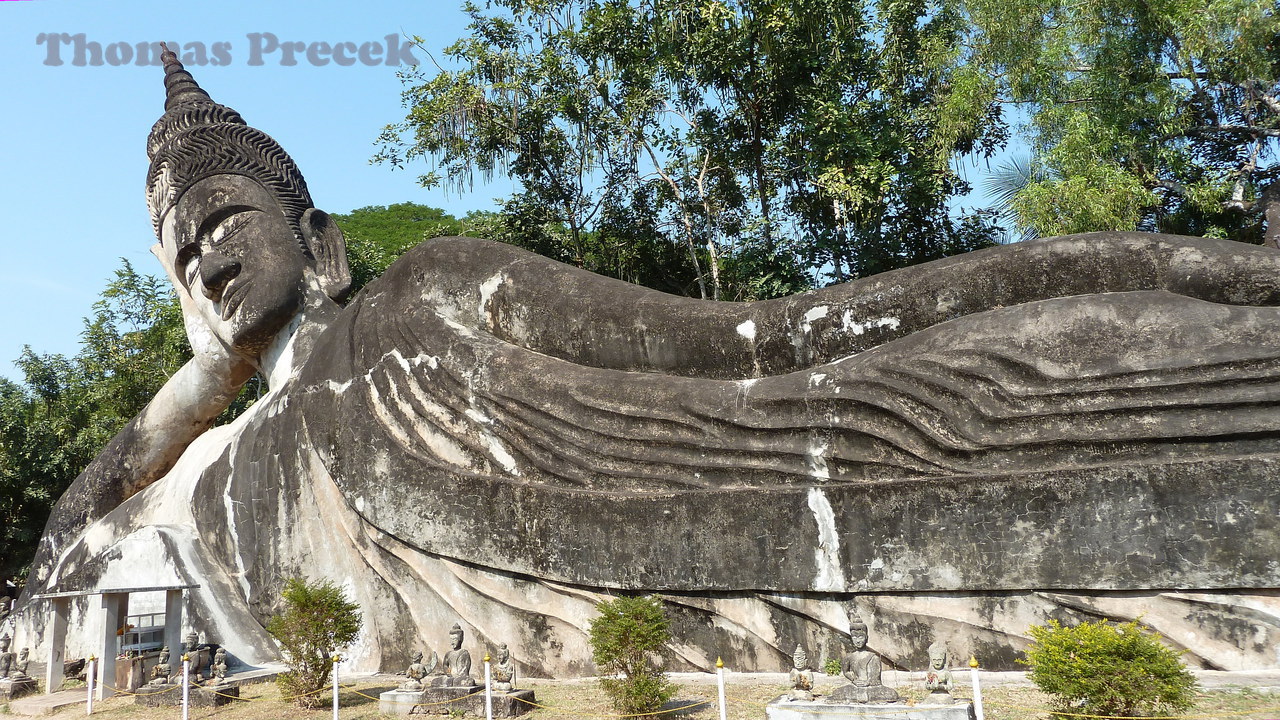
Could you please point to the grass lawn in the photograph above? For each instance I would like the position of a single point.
(579, 699)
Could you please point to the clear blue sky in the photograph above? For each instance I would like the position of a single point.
(73, 153)
(73, 148)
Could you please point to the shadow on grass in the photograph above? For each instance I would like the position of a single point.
(684, 708)
(347, 697)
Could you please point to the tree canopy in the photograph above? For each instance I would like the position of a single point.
(729, 150)
(1159, 115)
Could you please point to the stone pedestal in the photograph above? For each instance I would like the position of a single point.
(783, 709)
(10, 689)
(200, 697)
(446, 700)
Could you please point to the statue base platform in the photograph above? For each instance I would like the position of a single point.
(449, 700)
(199, 697)
(783, 709)
(10, 689)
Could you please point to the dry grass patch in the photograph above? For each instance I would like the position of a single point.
(581, 699)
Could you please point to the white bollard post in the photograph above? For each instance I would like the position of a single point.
(977, 688)
(92, 676)
(488, 689)
(186, 686)
(720, 682)
(336, 661)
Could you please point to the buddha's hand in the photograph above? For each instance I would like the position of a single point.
(216, 361)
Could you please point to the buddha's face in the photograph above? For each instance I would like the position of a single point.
(233, 255)
(937, 660)
(858, 638)
(4, 644)
(455, 639)
(503, 655)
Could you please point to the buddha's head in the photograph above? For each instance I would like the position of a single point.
(800, 659)
(937, 656)
(237, 231)
(857, 632)
(4, 643)
(455, 636)
(503, 654)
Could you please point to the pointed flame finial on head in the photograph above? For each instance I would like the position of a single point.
(179, 86)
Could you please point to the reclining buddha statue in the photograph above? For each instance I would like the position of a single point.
(1084, 426)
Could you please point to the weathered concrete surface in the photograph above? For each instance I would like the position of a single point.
(783, 709)
(450, 701)
(953, 447)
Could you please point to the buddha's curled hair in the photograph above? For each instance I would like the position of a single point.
(197, 138)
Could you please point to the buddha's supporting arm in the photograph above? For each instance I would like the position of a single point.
(143, 451)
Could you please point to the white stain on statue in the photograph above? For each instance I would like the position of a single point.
(748, 330)
(813, 314)
(816, 379)
(487, 289)
(817, 462)
(826, 557)
(859, 327)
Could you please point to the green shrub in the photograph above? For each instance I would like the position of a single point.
(627, 639)
(831, 666)
(1106, 669)
(317, 618)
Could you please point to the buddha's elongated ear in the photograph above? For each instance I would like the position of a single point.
(330, 251)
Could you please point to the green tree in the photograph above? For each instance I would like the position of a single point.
(316, 618)
(66, 409)
(378, 234)
(1157, 115)
(770, 144)
(1106, 669)
(628, 638)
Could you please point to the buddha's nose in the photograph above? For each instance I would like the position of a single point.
(216, 270)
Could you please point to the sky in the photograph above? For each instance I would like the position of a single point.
(72, 155)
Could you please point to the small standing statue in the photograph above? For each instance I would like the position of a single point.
(220, 666)
(938, 680)
(6, 658)
(160, 673)
(801, 676)
(198, 659)
(862, 669)
(457, 662)
(504, 673)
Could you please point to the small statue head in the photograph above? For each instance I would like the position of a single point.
(237, 232)
(857, 631)
(455, 636)
(164, 656)
(503, 654)
(800, 659)
(23, 654)
(5, 640)
(192, 641)
(415, 658)
(220, 656)
(937, 656)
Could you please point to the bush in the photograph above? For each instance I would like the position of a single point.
(1105, 669)
(831, 666)
(316, 619)
(627, 639)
